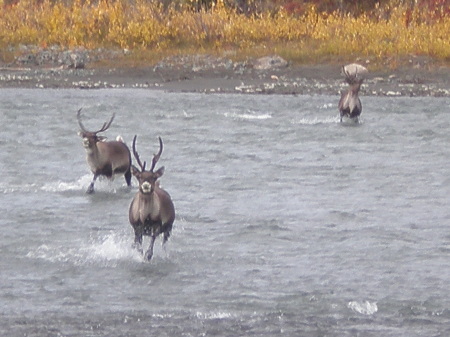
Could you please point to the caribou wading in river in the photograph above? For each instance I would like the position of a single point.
(151, 212)
(105, 158)
(350, 104)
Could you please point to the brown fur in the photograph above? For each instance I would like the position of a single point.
(152, 211)
(105, 158)
(350, 104)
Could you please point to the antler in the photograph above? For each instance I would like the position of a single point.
(354, 73)
(156, 156)
(136, 155)
(105, 126)
(79, 121)
(349, 78)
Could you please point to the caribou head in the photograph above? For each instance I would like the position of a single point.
(147, 179)
(352, 78)
(90, 138)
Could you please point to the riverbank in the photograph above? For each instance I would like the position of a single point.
(208, 74)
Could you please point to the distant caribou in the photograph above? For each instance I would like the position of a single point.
(151, 212)
(105, 158)
(350, 105)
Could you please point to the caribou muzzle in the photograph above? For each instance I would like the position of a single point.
(86, 143)
(146, 187)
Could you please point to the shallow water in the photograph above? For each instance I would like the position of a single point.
(288, 223)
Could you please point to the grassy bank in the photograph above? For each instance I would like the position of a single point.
(390, 32)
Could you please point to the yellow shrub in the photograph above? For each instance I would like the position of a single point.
(390, 31)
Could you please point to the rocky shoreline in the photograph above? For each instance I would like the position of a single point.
(208, 74)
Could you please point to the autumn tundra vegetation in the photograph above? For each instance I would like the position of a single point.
(301, 31)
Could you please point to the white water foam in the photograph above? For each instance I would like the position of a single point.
(113, 248)
(364, 308)
(108, 251)
(213, 315)
(62, 186)
(327, 106)
(188, 115)
(54, 186)
(102, 184)
(12, 188)
(316, 120)
(247, 116)
(351, 122)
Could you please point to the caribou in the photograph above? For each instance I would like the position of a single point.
(105, 158)
(151, 212)
(350, 105)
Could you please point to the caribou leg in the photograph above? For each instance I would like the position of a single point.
(149, 253)
(166, 236)
(128, 177)
(138, 242)
(90, 189)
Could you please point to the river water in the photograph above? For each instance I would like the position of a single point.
(288, 222)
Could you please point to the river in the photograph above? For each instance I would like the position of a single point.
(288, 223)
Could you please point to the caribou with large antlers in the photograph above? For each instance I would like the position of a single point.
(151, 212)
(350, 104)
(105, 158)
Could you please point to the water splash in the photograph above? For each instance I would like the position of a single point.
(364, 308)
(102, 184)
(62, 186)
(108, 251)
(188, 115)
(13, 188)
(327, 106)
(213, 315)
(316, 120)
(248, 116)
(113, 247)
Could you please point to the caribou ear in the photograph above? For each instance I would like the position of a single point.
(135, 171)
(101, 138)
(160, 172)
